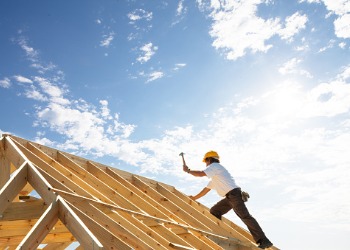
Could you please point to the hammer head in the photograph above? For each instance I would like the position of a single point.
(181, 154)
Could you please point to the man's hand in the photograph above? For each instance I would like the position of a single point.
(192, 197)
(185, 168)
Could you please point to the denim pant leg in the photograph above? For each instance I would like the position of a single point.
(238, 205)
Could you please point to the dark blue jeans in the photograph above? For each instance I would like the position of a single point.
(234, 201)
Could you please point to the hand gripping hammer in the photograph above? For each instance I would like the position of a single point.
(183, 159)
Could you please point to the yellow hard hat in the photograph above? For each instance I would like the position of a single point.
(212, 154)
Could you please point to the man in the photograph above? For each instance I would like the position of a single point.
(225, 186)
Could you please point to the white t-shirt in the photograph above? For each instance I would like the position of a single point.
(221, 180)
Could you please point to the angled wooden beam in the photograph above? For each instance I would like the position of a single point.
(132, 193)
(13, 186)
(70, 180)
(5, 168)
(12, 153)
(108, 240)
(43, 226)
(96, 187)
(119, 228)
(76, 226)
(151, 221)
(177, 210)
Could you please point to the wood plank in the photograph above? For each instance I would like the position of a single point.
(67, 178)
(22, 227)
(13, 241)
(178, 246)
(97, 187)
(108, 240)
(120, 227)
(130, 193)
(41, 228)
(5, 166)
(14, 185)
(176, 210)
(24, 210)
(76, 226)
(13, 154)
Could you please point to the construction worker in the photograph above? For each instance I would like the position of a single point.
(225, 186)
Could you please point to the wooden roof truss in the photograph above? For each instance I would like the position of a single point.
(51, 199)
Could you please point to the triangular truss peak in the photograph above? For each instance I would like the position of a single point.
(50, 199)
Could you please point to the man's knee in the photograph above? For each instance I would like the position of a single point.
(216, 213)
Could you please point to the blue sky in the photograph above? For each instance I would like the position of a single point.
(133, 83)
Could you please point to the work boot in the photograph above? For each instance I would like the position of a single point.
(265, 243)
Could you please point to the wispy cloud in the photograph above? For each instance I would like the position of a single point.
(293, 25)
(5, 83)
(140, 14)
(107, 40)
(292, 67)
(22, 79)
(178, 66)
(147, 50)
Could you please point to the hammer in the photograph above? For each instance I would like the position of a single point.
(183, 159)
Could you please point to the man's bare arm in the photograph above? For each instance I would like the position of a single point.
(194, 172)
(201, 193)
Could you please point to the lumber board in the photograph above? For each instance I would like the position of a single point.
(22, 227)
(13, 187)
(65, 177)
(41, 228)
(5, 166)
(121, 228)
(177, 211)
(108, 240)
(14, 241)
(13, 154)
(24, 210)
(96, 187)
(76, 226)
(129, 192)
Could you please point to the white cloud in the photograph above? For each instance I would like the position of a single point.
(341, 8)
(154, 76)
(329, 46)
(140, 14)
(5, 83)
(178, 66)
(148, 50)
(33, 93)
(293, 25)
(291, 67)
(180, 8)
(236, 28)
(22, 79)
(107, 40)
(32, 54)
(342, 26)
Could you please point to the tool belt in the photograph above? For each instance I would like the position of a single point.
(245, 196)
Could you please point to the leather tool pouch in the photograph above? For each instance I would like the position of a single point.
(245, 196)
